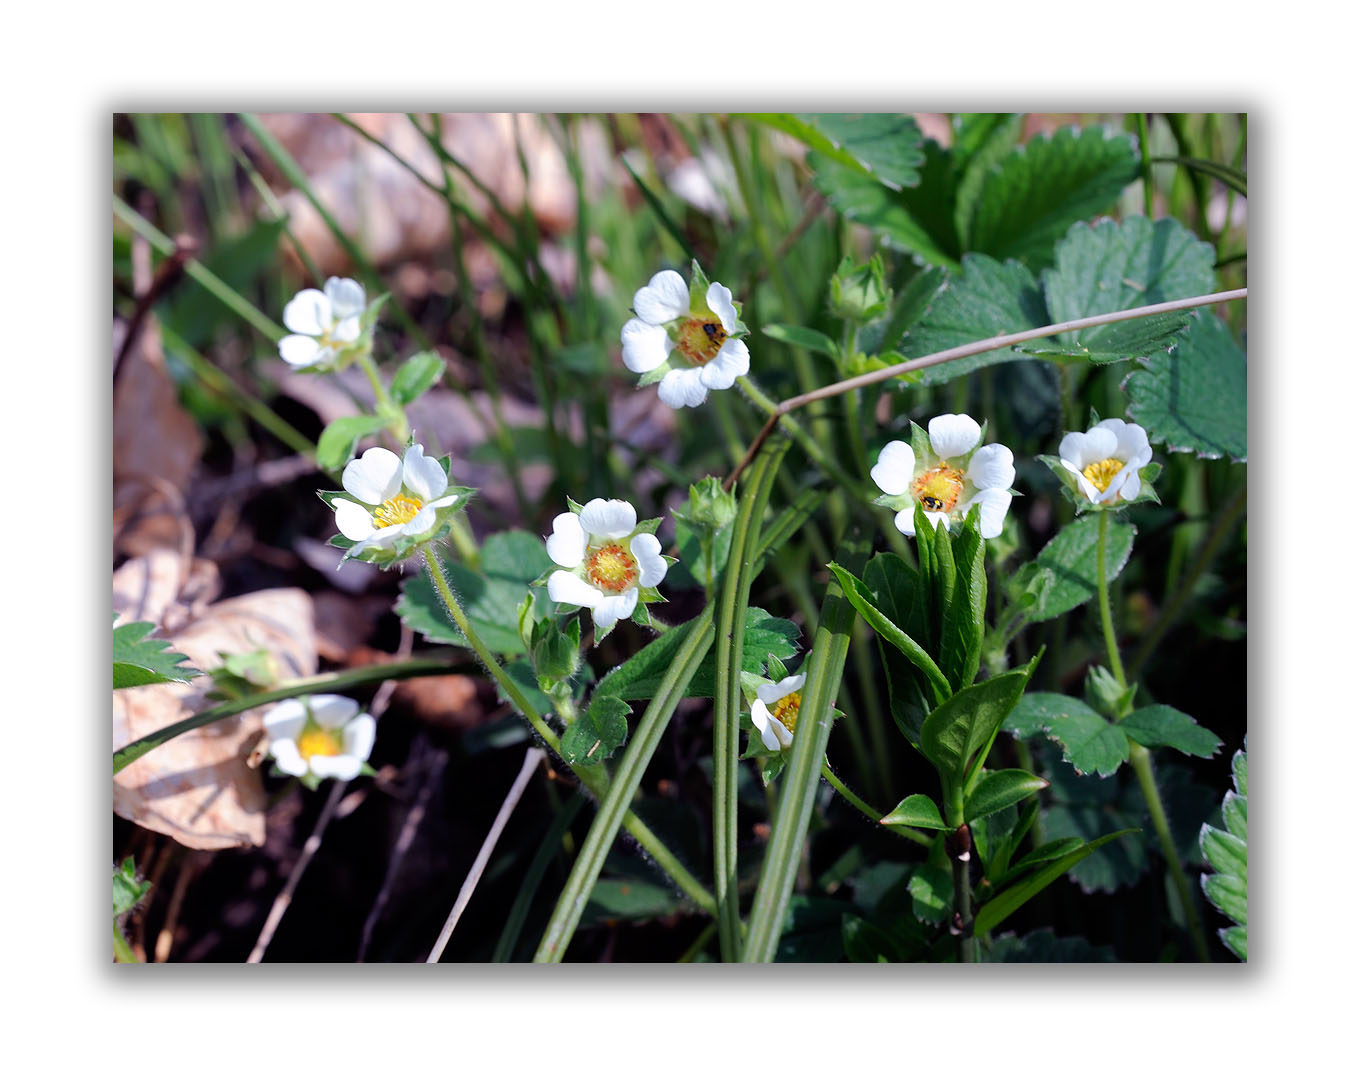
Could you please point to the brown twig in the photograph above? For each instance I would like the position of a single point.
(963, 351)
(167, 276)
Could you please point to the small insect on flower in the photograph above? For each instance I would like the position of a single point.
(325, 324)
(947, 472)
(321, 736)
(609, 561)
(685, 337)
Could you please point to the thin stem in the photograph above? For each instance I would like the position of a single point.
(1141, 760)
(830, 467)
(868, 812)
(533, 757)
(1103, 602)
(963, 351)
(309, 849)
(959, 870)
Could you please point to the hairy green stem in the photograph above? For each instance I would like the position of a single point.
(1103, 601)
(872, 814)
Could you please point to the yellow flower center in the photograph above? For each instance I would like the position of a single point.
(786, 710)
(318, 741)
(700, 339)
(396, 510)
(612, 568)
(1103, 471)
(939, 488)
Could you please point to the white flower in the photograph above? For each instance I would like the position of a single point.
(775, 711)
(325, 735)
(709, 355)
(1106, 460)
(605, 558)
(952, 475)
(324, 324)
(393, 497)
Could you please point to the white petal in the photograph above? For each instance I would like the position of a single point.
(423, 475)
(893, 472)
(347, 331)
(343, 767)
(346, 296)
(285, 720)
(613, 608)
(353, 521)
(422, 522)
(1096, 444)
(773, 733)
(935, 519)
(1128, 483)
(567, 544)
(608, 519)
(287, 757)
(308, 312)
(682, 389)
(665, 297)
(953, 435)
(332, 712)
(298, 350)
(790, 684)
(647, 551)
(1084, 484)
(732, 362)
(992, 465)
(906, 521)
(374, 477)
(573, 590)
(719, 300)
(645, 346)
(1131, 441)
(358, 737)
(993, 511)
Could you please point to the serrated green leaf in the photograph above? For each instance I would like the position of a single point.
(1070, 556)
(801, 337)
(1235, 811)
(1240, 773)
(1229, 894)
(1160, 726)
(981, 141)
(640, 676)
(988, 299)
(1196, 399)
(415, 376)
(889, 145)
(1001, 789)
(1227, 854)
(491, 598)
(337, 442)
(1036, 191)
(139, 660)
(1109, 266)
(1090, 743)
(917, 810)
(595, 735)
(932, 892)
(1004, 904)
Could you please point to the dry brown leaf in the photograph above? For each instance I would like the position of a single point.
(197, 787)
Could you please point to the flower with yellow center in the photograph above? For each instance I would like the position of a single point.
(1104, 463)
(391, 498)
(685, 337)
(947, 475)
(321, 736)
(775, 711)
(606, 557)
(324, 324)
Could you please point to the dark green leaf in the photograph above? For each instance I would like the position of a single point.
(989, 299)
(1004, 904)
(594, 736)
(1196, 399)
(139, 660)
(1229, 894)
(128, 890)
(969, 720)
(337, 441)
(415, 376)
(916, 810)
(1038, 189)
(1000, 789)
(1070, 556)
(1160, 726)
(800, 337)
(632, 900)
(933, 892)
(981, 142)
(1043, 946)
(887, 144)
(1090, 743)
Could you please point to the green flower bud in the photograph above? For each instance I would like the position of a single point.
(859, 292)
